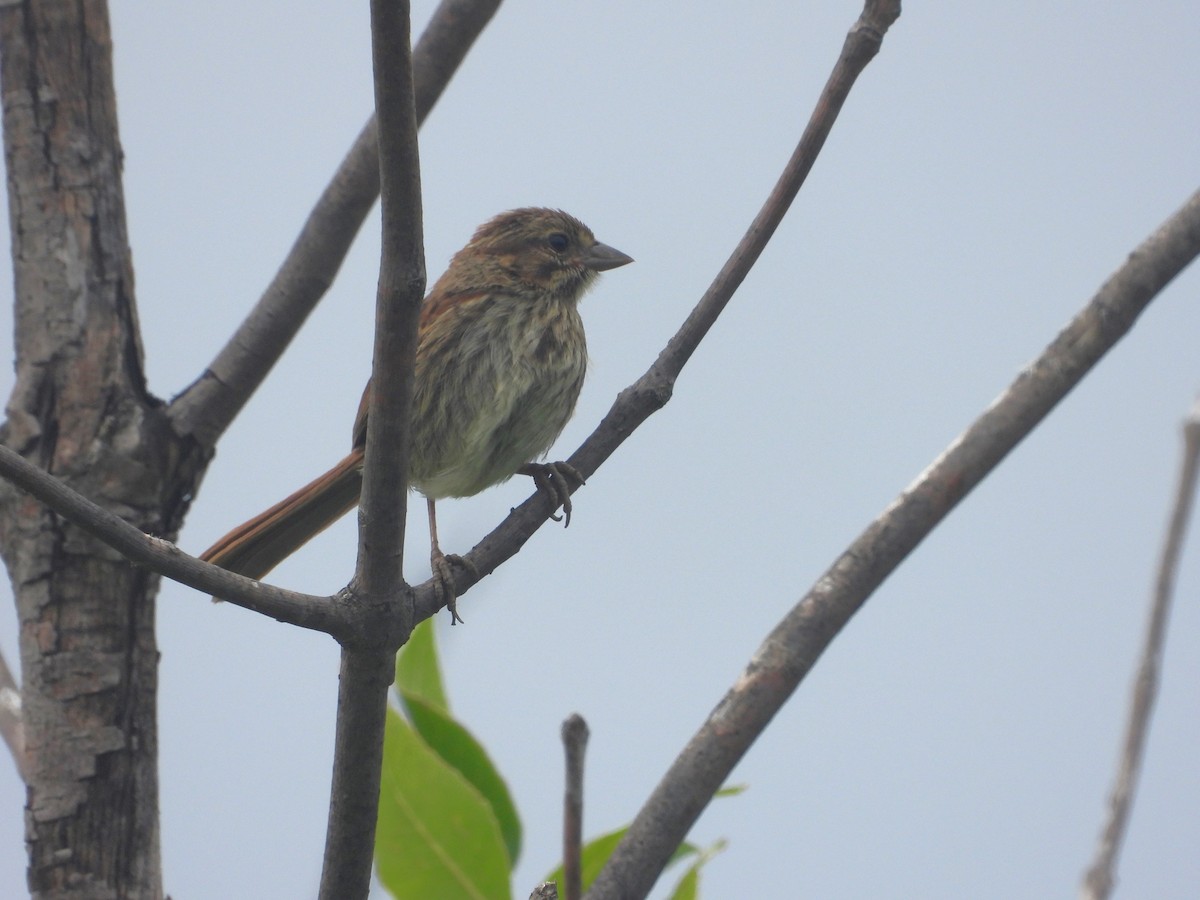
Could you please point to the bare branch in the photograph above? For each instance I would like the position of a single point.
(861, 45)
(163, 557)
(652, 391)
(793, 647)
(206, 408)
(574, 738)
(1099, 880)
(368, 664)
(12, 725)
(358, 753)
(398, 306)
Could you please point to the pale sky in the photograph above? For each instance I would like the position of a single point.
(993, 166)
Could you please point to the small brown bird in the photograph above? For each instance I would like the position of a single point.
(500, 361)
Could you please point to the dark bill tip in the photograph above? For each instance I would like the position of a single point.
(602, 257)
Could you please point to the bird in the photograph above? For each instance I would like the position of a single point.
(500, 362)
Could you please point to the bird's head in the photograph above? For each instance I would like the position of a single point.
(543, 249)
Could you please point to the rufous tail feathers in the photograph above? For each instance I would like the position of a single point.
(254, 548)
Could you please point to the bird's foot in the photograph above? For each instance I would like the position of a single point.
(556, 481)
(443, 576)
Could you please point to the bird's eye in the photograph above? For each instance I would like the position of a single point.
(558, 242)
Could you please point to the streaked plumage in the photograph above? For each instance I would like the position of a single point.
(500, 362)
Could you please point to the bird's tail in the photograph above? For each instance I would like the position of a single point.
(255, 547)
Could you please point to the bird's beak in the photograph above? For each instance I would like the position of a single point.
(602, 257)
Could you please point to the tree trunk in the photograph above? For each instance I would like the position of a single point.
(80, 409)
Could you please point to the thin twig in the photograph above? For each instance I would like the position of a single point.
(1099, 879)
(206, 408)
(652, 391)
(797, 642)
(12, 725)
(574, 738)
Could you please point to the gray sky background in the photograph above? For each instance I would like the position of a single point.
(994, 165)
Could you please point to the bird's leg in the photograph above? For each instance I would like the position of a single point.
(555, 481)
(440, 563)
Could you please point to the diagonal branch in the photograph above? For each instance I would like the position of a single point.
(164, 558)
(797, 642)
(207, 407)
(1099, 879)
(652, 391)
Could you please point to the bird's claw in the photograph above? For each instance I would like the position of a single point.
(554, 480)
(443, 576)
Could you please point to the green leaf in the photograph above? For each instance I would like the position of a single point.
(417, 669)
(595, 854)
(419, 685)
(732, 790)
(689, 885)
(454, 744)
(437, 837)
